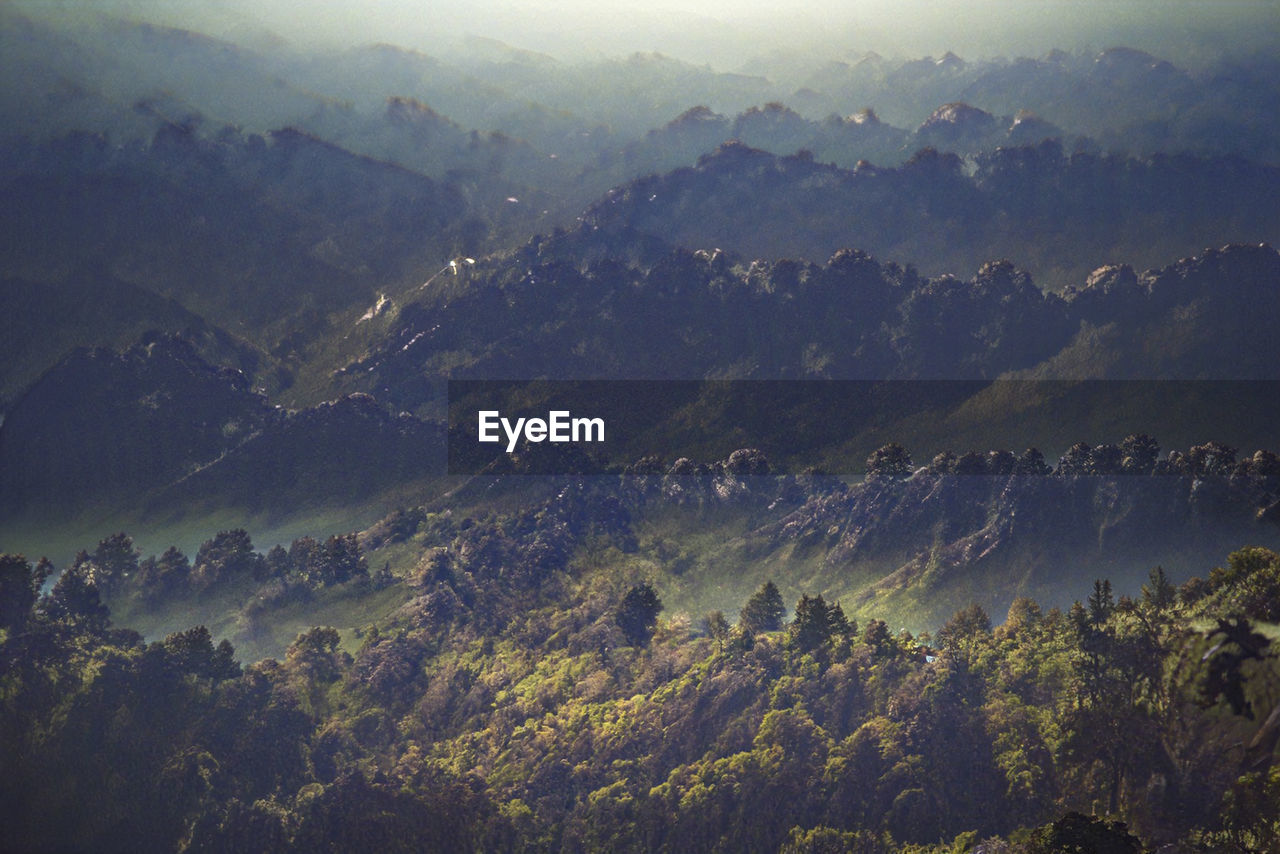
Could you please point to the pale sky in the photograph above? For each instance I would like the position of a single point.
(725, 33)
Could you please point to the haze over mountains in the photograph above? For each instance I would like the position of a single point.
(279, 206)
(246, 249)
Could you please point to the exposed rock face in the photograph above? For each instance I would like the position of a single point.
(957, 125)
(958, 115)
(948, 537)
(1028, 128)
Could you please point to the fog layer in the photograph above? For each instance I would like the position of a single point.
(726, 34)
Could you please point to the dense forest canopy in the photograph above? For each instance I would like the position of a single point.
(563, 707)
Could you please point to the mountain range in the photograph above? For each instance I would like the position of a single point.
(259, 266)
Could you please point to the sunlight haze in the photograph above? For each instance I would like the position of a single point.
(721, 33)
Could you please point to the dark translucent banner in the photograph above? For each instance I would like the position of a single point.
(605, 426)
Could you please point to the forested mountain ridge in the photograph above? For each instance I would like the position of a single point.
(264, 238)
(275, 246)
(157, 428)
(91, 307)
(565, 306)
(912, 345)
(946, 214)
(462, 154)
(684, 315)
(218, 222)
(479, 713)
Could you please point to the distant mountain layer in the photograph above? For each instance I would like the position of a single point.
(566, 307)
(100, 69)
(257, 197)
(1054, 213)
(263, 236)
(281, 240)
(158, 424)
(255, 229)
(844, 141)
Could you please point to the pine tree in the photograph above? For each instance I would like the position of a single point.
(764, 611)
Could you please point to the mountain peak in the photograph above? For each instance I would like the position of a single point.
(699, 115)
(731, 152)
(866, 116)
(958, 114)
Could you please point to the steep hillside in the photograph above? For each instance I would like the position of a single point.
(563, 307)
(157, 433)
(169, 435)
(91, 308)
(970, 527)
(262, 236)
(111, 425)
(100, 73)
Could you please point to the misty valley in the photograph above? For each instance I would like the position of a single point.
(938, 509)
